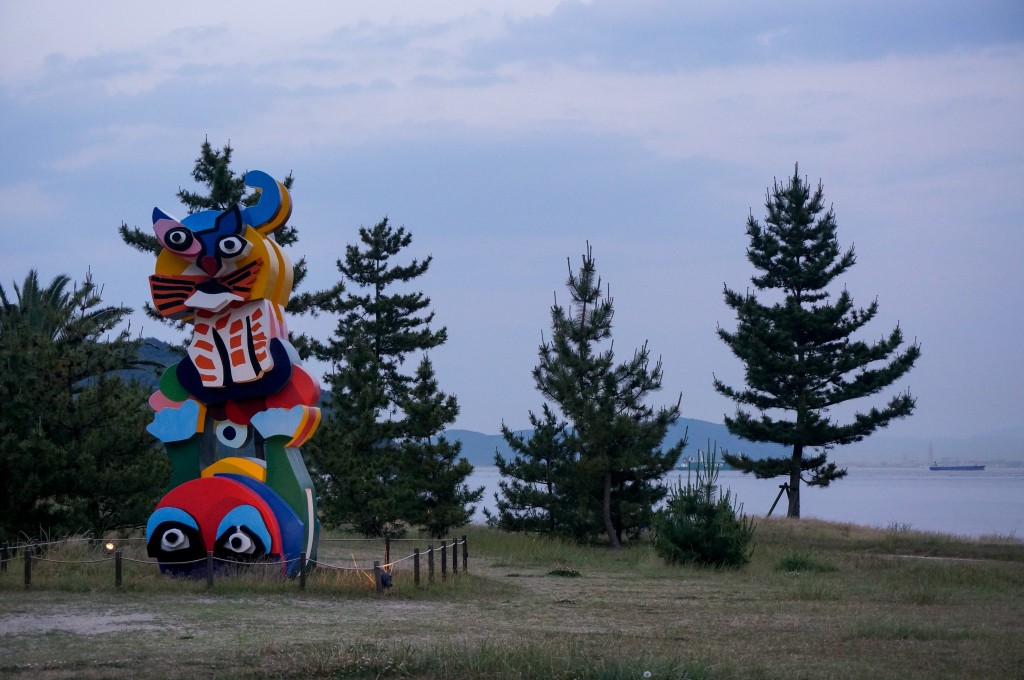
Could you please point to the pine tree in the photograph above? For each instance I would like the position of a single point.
(533, 488)
(353, 454)
(386, 321)
(435, 476)
(378, 446)
(702, 524)
(798, 353)
(613, 437)
(73, 454)
(119, 470)
(223, 189)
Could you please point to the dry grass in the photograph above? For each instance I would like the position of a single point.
(818, 600)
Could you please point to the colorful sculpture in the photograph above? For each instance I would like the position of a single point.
(234, 411)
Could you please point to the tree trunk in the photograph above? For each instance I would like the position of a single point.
(609, 526)
(794, 481)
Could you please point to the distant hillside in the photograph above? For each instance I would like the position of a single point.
(479, 448)
(158, 353)
(1002, 448)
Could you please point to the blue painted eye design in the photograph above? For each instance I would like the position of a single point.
(172, 535)
(242, 534)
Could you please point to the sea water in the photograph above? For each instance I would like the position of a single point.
(988, 502)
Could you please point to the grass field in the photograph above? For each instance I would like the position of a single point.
(818, 600)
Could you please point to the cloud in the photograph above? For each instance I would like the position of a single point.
(668, 35)
(101, 67)
(25, 199)
(470, 81)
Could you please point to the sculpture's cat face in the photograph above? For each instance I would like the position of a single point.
(211, 259)
(208, 246)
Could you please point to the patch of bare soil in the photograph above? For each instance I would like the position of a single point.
(79, 624)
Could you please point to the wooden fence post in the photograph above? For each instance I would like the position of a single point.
(465, 553)
(5, 555)
(430, 563)
(209, 569)
(302, 570)
(28, 567)
(387, 551)
(378, 583)
(117, 567)
(455, 556)
(444, 560)
(416, 566)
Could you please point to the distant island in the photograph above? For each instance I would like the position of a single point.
(1004, 449)
(479, 448)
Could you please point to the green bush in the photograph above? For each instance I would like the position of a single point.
(701, 525)
(796, 562)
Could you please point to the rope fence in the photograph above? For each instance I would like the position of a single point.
(380, 574)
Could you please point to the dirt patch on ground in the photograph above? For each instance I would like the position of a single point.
(79, 624)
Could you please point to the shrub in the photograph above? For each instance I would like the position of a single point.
(701, 525)
(797, 562)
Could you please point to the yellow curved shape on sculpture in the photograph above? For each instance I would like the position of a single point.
(237, 466)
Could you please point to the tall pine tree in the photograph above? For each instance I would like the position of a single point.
(611, 441)
(798, 353)
(380, 450)
(353, 457)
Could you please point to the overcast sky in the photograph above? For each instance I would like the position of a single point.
(505, 135)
